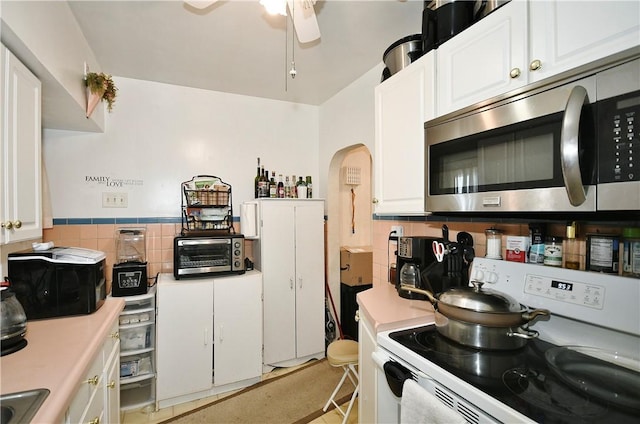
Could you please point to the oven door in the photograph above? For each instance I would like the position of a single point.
(392, 372)
(534, 153)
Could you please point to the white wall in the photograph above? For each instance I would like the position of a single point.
(347, 119)
(159, 135)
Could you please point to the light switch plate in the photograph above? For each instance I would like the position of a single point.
(115, 200)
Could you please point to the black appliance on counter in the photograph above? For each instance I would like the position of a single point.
(57, 282)
(129, 276)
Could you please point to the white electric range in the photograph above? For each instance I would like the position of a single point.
(548, 380)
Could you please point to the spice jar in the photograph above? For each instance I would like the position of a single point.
(602, 253)
(631, 252)
(494, 243)
(553, 251)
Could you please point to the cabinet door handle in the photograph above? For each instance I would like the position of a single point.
(357, 316)
(535, 65)
(300, 281)
(291, 283)
(112, 384)
(515, 73)
(96, 420)
(115, 335)
(9, 225)
(93, 381)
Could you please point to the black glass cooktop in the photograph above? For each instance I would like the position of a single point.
(523, 380)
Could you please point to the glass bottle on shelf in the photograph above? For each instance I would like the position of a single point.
(301, 189)
(281, 192)
(273, 186)
(572, 248)
(294, 188)
(309, 187)
(262, 182)
(287, 187)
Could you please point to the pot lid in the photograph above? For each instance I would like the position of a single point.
(479, 299)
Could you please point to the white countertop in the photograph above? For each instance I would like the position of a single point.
(385, 310)
(57, 356)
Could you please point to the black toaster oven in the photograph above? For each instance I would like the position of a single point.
(58, 282)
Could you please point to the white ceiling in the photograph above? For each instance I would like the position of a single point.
(236, 47)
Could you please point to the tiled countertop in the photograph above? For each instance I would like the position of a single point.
(57, 356)
(385, 310)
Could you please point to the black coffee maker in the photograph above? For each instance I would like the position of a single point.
(416, 265)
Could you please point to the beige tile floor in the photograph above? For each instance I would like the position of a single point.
(147, 416)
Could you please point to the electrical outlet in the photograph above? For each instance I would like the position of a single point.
(115, 200)
(399, 231)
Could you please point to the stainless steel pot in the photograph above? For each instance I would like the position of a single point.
(481, 318)
(400, 54)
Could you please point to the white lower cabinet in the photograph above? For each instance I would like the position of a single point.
(137, 374)
(366, 372)
(209, 336)
(237, 331)
(97, 399)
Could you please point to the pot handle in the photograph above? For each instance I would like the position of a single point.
(533, 315)
(528, 334)
(409, 288)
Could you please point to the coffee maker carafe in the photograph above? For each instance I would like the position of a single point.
(417, 266)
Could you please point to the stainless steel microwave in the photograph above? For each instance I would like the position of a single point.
(208, 255)
(571, 148)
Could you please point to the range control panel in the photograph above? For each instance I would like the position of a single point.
(574, 292)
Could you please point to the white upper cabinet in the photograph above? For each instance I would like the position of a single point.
(20, 170)
(484, 60)
(403, 103)
(524, 42)
(568, 34)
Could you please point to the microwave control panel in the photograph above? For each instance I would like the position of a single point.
(619, 141)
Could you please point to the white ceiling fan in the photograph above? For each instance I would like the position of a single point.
(302, 12)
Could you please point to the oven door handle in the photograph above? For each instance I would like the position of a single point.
(570, 146)
(380, 359)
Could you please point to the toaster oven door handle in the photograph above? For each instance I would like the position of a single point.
(570, 146)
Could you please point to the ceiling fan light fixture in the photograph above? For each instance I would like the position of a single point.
(275, 7)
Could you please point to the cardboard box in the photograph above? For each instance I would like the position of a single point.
(356, 265)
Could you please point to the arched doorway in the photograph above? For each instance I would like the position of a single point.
(349, 208)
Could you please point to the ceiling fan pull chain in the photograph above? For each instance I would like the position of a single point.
(293, 71)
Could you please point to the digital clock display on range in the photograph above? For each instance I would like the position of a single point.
(560, 285)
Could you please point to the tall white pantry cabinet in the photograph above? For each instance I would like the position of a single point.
(290, 253)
